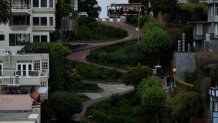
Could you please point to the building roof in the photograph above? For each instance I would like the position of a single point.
(18, 117)
(196, 22)
(17, 121)
(18, 102)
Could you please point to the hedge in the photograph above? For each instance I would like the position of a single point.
(183, 84)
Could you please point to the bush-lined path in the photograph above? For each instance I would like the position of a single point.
(109, 89)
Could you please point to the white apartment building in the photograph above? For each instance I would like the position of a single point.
(24, 73)
(31, 21)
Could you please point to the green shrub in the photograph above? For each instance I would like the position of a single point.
(42, 47)
(176, 34)
(56, 35)
(118, 110)
(89, 28)
(121, 119)
(114, 99)
(137, 111)
(133, 20)
(147, 83)
(134, 75)
(91, 86)
(122, 54)
(99, 116)
(86, 20)
(93, 72)
(184, 106)
(190, 77)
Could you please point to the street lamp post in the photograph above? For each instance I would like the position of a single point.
(76, 13)
(137, 29)
(138, 25)
(174, 76)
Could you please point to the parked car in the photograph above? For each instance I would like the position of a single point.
(82, 14)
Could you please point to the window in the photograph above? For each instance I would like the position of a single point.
(211, 11)
(51, 3)
(40, 21)
(24, 61)
(44, 64)
(199, 29)
(43, 84)
(35, 3)
(36, 38)
(51, 21)
(24, 69)
(1, 69)
(37, 65)
(36, 109)
(35, 21)
(216, 11)
(215, 106)
(20, 20)
(43, 21)
(40, 38)
(2, 37)
(19, 39)
(43, 3)
(43, 38)
(216, 29)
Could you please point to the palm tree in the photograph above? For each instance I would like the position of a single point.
(5, 11)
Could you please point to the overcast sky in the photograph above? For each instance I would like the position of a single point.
(104, 3)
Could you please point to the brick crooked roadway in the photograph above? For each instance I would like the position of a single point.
(80, 56)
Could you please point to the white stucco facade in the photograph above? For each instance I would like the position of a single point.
(31, 21)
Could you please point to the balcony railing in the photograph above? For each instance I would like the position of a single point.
(24, 73)
(10, 81)
(183, 1)
(212, 1)
(21, 6)
(203, 1)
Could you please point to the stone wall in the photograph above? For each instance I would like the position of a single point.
(184, 61)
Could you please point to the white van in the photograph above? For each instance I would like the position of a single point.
(82, 14)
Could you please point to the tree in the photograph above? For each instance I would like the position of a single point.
(147, 83)
(152, 96)
(89, 6)
(56, 80)
(65, 105)
(155, 40)
(135, 75)
(63, 8)
(185, 105)
(198, 10)
(72, 79)
(160, 6)
(5, 11)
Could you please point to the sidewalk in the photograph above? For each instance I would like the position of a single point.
(109, 89)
